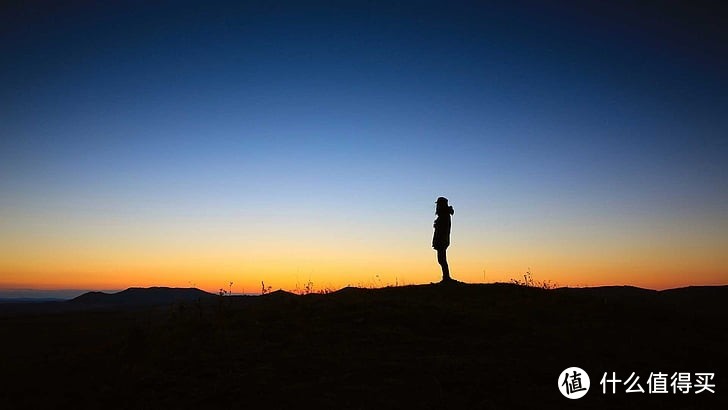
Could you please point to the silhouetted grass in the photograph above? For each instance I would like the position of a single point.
(530, 282)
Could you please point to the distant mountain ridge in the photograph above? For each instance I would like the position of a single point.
(141, 297)
(705, 299)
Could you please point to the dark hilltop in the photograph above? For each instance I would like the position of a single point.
(455, 346)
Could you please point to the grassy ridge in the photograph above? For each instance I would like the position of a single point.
(430, 346)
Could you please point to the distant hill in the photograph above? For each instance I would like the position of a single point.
(140, 297)
(689, 296)
(696, 298)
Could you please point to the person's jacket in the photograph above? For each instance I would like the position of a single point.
(441, 238)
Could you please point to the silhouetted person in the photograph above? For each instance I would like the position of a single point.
(441, 238)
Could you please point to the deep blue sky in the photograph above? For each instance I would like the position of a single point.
(357, 116)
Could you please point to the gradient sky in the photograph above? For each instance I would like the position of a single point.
(179, 144)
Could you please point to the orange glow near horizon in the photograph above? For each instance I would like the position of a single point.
(329, 280)
(340, 260)
(358, 245)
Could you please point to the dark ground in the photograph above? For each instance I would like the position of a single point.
(497, 346)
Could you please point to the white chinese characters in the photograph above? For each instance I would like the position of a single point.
(660, 383)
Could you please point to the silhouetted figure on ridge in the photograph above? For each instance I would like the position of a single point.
(441, 238)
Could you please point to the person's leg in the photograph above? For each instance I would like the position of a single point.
(442, 260)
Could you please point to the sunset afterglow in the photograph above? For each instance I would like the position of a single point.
(308, 144)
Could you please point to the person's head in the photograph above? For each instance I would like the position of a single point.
(442, 207)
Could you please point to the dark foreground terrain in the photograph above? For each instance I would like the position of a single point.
(497, 346)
